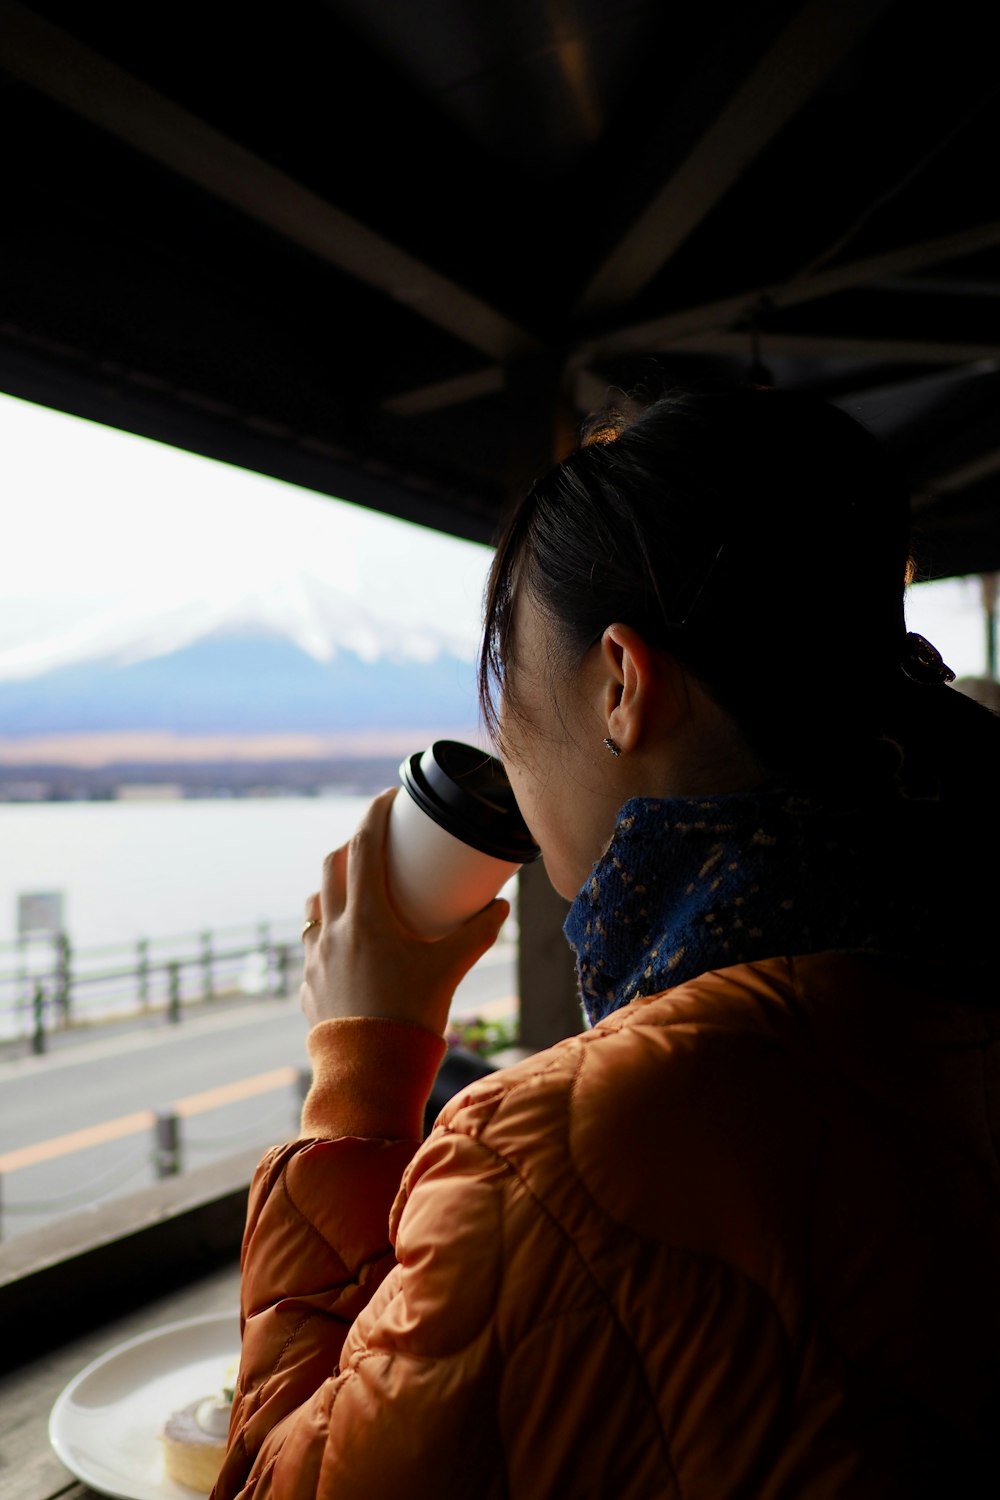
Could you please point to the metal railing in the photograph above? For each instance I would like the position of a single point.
(49, 988)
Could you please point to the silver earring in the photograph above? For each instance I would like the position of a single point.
(615, 749)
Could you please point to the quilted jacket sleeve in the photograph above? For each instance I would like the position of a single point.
(317, 1246)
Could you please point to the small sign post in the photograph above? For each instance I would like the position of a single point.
(39, 912)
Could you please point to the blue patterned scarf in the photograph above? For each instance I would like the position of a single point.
(688, 885)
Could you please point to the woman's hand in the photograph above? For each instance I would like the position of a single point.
(361, 961)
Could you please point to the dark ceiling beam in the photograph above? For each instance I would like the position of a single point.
(589, 392)
(714, 322)
(965, 475)
(52, 61)
(799, 61)
(444, 393)
(892, 263)
(947, 396)
(744, 307)
(939, 286)
(856, 347)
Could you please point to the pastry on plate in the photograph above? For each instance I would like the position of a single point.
(194, 1437)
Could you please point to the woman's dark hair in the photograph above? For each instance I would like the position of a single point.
(761, 536)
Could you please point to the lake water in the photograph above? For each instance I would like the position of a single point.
(129, 870)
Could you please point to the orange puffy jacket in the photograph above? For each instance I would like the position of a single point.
(741, 1239)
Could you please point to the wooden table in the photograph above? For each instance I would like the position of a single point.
(29, 1469)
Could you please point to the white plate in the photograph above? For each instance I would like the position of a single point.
(105, 1425)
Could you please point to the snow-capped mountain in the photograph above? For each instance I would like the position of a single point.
(316, 617)
(300, 657)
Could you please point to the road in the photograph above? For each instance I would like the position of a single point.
(79, 1125)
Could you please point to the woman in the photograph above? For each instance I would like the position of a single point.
(740, 1237)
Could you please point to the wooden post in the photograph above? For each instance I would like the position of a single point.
(167, 1144)
(546, 965)
(208, 982)
(543, 421)
(38, 1010)
(543, 418)
(64, 977)
(142, 972)
(174, 1006)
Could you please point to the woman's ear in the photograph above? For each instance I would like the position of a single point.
(642, 686)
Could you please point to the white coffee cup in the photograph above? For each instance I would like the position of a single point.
(455, 837)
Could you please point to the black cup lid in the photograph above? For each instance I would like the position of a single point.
(466, 792)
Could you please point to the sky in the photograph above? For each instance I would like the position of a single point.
(104, 530)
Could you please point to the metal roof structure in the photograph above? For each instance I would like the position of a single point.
(393, 251)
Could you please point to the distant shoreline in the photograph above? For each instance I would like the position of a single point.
(110, 767)
(104, 749)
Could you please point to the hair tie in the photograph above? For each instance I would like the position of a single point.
(922, 662)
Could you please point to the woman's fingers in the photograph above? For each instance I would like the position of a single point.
(366, 864)
(356, 864)
(481, 931)
(460, 949)
(333, 886)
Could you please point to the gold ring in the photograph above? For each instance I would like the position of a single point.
(312, 922)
